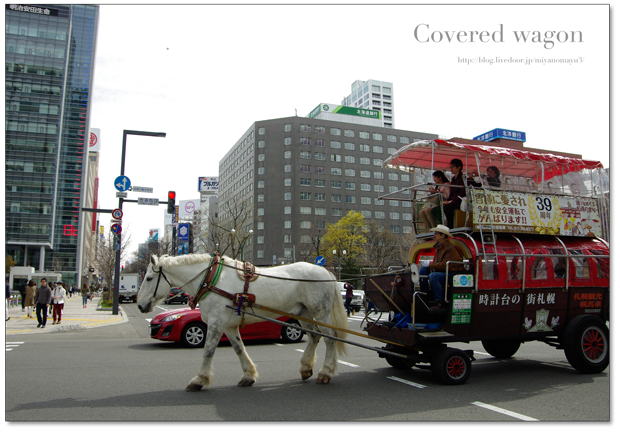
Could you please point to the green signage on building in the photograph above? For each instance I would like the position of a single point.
(341, 109)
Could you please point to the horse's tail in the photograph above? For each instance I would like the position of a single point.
(339, 319)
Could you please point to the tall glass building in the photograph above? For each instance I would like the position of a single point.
(50, 55)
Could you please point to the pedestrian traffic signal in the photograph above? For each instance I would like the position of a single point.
(171, 199)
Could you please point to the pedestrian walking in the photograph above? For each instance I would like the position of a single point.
(52, 287)
(31, 289)
(348, 298)
(58, 298)
(8, 298)
(85, 295)
(42, 299)
(22, 292)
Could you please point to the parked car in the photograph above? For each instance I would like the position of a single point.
(185, 325)
(358, 297)
(176, 295)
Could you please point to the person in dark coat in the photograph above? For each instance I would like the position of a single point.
(457, 191)
(42, 299)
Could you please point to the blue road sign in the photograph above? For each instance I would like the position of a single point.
(122, 183)
(116, 229)
(320, 260)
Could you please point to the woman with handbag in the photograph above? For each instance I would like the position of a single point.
(31, 288)
(426, 214)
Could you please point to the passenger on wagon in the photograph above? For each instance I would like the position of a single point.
(436, 271)
(457, 191)
(492, 177)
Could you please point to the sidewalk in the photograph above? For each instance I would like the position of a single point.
(74, 318)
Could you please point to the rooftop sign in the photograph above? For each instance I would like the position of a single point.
(501, 133)
(342, 109)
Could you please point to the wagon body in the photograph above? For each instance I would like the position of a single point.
(535, 278)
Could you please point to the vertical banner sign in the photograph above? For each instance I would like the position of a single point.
(95, 201)
(183, 232)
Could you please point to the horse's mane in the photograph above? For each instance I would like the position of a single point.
(187, 259)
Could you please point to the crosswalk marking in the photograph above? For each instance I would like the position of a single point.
(406, 382)
(11, 344)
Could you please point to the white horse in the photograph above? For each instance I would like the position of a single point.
(302, 289)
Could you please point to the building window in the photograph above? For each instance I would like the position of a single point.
(377, 162)
(349, 159)
(319, 129)
(407, 216)
(391, 150)
(335, 144)
(261, 144)
(305, 141)
(349, 133)
(261, 156)
(287, 168)
(364, 147)
(406, 229)
(367, 214)
(394, 216)
(391, 138)
(288, 181)
(379, 188)
(336, 171)
(260, 211)
(337, 212)
(319, 169)
(334, 131)
(287, 141)
(319, 142)
(261, 170)
(349, 146)
(377, 137)
(365, 174)
(321, 225)
(335, 157)
(320, 183)
(261, 131)
(304, 128)
(336, 184)
(260, 239)
(365, 187)
(304, 168)
(378, 175)
(260, 225)
(393, 203)
(392, 176)
(365, 200)
(395, 229)
(364, 161)
(287, 127)
(305, 196)
(350, 186)
(377, 149)
(305, 182)
(336, 198)
(319, 196)
(287, 196)
(287, 154)
(260, 184)
(302, 154)
(305, 239)
(287, 210)
(378, 202)
(349, 172)
(305, 210)
(379, 215)
(319, 156)
(320, 211)
(364, 134)
(349, 199)
(404, 140)
(287, 239)
(305, 225)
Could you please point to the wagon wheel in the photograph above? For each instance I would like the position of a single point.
(503, 348)
(451, 366)
(586, 344)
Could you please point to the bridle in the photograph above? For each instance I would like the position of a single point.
(160, 274)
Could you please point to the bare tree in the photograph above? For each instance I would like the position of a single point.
(106, 257)
(379, 252)
(230, 233)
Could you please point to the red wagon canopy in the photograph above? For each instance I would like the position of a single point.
(437, 154)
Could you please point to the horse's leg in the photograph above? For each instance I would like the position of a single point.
(249, 369)
(309, 357)
(204, 376)
(329, 366)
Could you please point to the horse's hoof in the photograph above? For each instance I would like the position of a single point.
(246, 382)
(305, 375)
(323, 380)
(192, 387)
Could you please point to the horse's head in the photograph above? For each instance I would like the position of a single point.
(154, 287)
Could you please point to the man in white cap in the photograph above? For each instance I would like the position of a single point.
(436, 271)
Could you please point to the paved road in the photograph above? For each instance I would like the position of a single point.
(118, 373)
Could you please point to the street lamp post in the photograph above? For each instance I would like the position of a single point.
(241, 242)
(117, 238)
(338, 256)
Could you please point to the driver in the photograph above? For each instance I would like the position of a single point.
(436, 271)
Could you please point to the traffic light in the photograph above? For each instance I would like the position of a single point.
(171, 199)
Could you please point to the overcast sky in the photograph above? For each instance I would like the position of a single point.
(204, 74)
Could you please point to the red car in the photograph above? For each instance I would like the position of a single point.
(185, 325)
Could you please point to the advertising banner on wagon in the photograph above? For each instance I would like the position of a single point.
(537, 214)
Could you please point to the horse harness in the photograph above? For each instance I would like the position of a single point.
(248, 272)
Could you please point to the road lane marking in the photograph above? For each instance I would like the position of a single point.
(406, 382)
(504, 411)
(557, 365)
(348, 364)
(10, 345)
(482, 353)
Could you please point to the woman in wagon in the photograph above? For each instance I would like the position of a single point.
(426, 214)
(492, 177)
(457, 190)
(436, 271)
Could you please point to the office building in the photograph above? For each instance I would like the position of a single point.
(373, 95)
(50, 54)
(296, 174)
